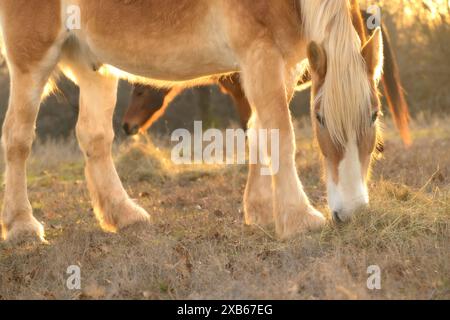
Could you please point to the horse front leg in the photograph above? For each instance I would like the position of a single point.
(258, 196)
(112, 206)
(265, 86)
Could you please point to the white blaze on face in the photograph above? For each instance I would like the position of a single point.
(350, 193)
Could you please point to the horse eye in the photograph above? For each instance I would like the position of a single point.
(380, 147)
(320, 119)
(375, 116)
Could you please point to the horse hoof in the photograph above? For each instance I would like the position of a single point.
(314, 219)
(20, 232)
(132, 214)
(309, 220)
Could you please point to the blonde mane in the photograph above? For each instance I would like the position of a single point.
(346, 91)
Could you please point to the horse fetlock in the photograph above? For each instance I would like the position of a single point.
(258, 199)
(258, 211)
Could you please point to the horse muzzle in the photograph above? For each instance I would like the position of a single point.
(130, 130)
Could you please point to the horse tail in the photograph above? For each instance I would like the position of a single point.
(393, 89)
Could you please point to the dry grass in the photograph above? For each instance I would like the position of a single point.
(198, 247)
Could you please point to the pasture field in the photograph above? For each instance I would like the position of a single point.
(197, 246)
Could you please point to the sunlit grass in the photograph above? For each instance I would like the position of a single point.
(197, 241)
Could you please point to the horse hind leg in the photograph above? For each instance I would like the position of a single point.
(27, 88)
(98, 94)
(232, 86)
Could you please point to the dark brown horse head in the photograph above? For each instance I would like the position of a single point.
(146, 105)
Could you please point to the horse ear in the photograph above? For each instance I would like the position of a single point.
(317, 59)
(373, 53)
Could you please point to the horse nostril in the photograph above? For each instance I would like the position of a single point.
(131, 131)
(126, 128)
(336, 217)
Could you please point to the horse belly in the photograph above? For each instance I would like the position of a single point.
(184, 45)
(177, 64)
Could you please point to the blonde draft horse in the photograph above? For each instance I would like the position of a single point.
(185, 41)
(148, 104)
